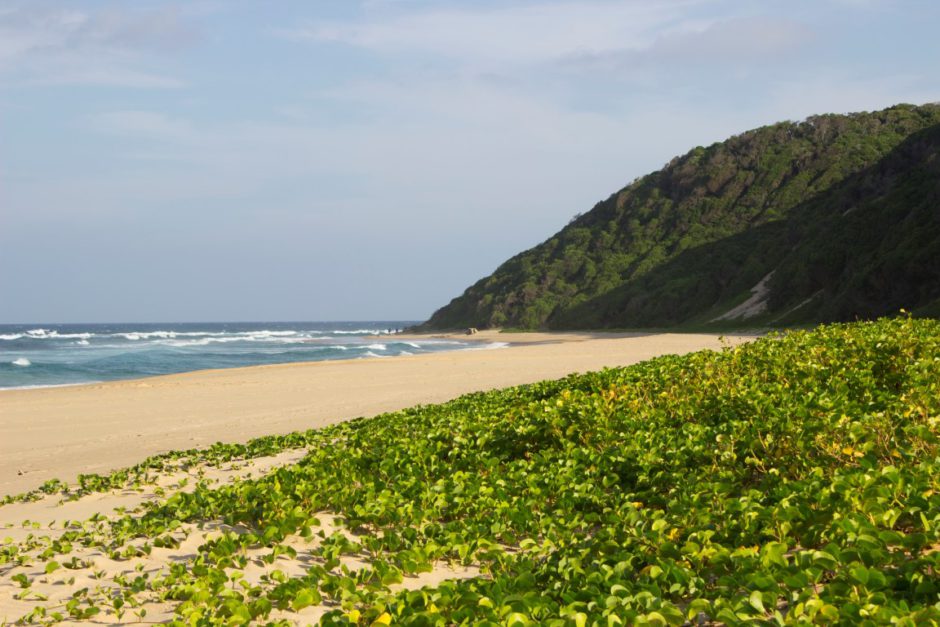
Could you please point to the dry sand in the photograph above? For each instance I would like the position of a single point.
(61, 432)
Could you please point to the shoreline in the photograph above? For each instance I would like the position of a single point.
(60, 432)
(376, 338)
(492, 336)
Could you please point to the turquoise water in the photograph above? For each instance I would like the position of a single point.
(43, 355)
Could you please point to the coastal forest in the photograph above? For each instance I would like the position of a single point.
(834, 218)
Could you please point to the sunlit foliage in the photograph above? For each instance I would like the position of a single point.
(843, 209)
(792, 479)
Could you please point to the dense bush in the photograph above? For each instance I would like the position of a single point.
(844, 209)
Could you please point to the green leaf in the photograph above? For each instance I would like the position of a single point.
(305, 598)
(859, 574)
(756, 601)
(773, 554)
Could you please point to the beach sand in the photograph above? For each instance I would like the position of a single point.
(61, 432)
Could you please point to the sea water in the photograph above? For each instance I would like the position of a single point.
(65, 354)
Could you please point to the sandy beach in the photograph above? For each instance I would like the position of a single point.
(61, 432)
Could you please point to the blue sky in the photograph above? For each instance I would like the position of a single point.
(235, 160)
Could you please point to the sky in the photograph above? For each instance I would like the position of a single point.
(359, 160)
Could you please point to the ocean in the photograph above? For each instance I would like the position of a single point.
(67, 354)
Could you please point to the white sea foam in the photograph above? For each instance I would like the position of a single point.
(161, 335)
(282, 338)
(488, 347)
(205, 341)
(183, 343)
(169, 338)
(146, 335)
(46, 385)
(442, 343)
(45, 334)
(176, 347)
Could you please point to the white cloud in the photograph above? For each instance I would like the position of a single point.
(508, 34)
(735, 41)
(601, 33)
(147, 123)
(40, 43)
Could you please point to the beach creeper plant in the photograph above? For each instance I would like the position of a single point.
(149, 470)
(792, 480)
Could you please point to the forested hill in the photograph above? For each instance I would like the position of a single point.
(832, 218)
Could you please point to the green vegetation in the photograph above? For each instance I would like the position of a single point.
(842, 209)
(793, 479)
(149, 470)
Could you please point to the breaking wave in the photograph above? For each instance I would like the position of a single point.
(44, 355)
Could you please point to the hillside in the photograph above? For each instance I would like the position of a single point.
(790, 480)
(833, 218)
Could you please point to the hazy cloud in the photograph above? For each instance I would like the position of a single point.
(506, 33)
(41, 43)
(146, 123)
(380, 134)
(737, 41)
